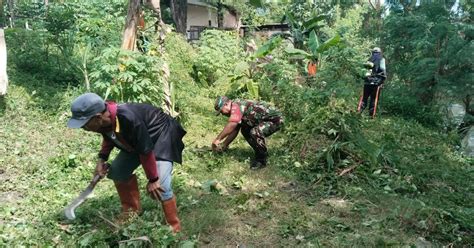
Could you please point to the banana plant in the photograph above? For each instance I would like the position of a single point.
(243, 76)
(299, 28)
(315, 49)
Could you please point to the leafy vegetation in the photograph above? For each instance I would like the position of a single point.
(335, 178)
(217, 53)
(129, 76)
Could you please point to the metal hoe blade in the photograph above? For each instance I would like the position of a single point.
(69, 211)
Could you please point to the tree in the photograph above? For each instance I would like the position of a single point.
(130, 30)
(2, 14)
(430, 49)
(3, 64)
(11, 9)
(154, 6)
(130, 37)
(179, 8)
(161, 30)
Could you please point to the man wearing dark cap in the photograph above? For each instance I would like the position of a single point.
(373, 81)
(256, 120)
(145, 135)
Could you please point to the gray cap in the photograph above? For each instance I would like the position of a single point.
(85, 107)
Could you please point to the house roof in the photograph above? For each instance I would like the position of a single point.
(269, 26)
(200, 3)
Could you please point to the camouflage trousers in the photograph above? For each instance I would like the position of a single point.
(255, 136)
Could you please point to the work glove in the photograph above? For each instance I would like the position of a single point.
(155, 190)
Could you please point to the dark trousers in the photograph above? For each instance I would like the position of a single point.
(370, 91)
(255, 136)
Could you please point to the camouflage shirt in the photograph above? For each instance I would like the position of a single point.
(253, 113)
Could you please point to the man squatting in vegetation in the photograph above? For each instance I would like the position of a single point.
(256, 120)
(374, 80)
(145, 135)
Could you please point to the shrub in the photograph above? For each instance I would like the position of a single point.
(397, 100)
(129, 76)
(218, 51)
(28, 51)
(180, 55)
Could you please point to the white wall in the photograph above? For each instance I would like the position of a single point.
(200, 16)
(231, 21)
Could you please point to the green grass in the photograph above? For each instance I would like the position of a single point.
(425, 192)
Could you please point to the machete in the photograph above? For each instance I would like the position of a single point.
(69, 211)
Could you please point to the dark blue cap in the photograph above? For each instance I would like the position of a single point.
(83, 108)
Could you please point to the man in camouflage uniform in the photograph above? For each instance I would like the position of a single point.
(256, 120)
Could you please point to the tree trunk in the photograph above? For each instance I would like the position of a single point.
(130, 31)
(11, 6)
(220, 14)
(168, 92)
(161, 30)
(154, 5)
(3, 64)
(377, 14)
(179, 8)
(2, 15)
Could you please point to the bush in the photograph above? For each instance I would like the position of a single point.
(180, 55)
(397, 100)
(129, 76)
(29, 52)
(218, 51)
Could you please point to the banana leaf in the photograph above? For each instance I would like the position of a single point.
(256, 3)
(268, 47)
(313, 22)
(313, 43)
(297, 53)
(334, 41)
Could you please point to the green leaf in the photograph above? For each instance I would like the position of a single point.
(256, 3)
(252, 88)
(241, 68)
(297, 53)
(329, 159)
(311, 23)
(313, 43)
(187, 244)
(334, 41)
(268, 47)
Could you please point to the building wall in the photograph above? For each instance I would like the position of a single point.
(200, 16)
(231, 21)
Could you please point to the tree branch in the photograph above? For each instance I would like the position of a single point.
(370, 1)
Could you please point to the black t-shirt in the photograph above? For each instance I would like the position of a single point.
(145, 128)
